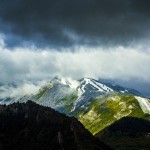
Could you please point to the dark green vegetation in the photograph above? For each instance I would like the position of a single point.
(129, 133)
(33, 127)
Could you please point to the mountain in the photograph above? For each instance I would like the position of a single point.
(29, 126)
(94, 103)
(127, 133)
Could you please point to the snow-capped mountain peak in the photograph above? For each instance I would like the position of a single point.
(94, 84)
(90, 89)
(79, 92)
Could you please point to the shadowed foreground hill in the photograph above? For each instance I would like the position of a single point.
(128, 133)
(29, 126)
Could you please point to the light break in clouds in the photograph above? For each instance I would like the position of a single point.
(119, 63)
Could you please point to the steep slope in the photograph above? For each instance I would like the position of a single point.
(95, 103)
(105, 111)
(33, 127)
(58, 89)
(127, 133)
(66, 95)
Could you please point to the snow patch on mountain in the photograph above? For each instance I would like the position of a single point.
(88, 88)
(124, 91)
(144, 103)
(102, 87)
(96, 85)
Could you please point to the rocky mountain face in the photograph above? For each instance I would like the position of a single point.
(29, 126)
(127, 133)
(95, 103)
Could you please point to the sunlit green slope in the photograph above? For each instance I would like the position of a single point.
(105, 111)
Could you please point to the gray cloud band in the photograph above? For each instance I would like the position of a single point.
(68, 22)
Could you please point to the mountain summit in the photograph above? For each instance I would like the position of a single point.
(95, 103)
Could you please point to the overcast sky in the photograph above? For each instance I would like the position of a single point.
(107, 39)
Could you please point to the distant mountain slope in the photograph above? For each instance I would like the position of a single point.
(33, 127)
(84, 90)
(128, 133)
(95, 103)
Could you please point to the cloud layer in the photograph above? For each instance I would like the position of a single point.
(74, 38)
(20, 89)
(115, 63)
(53, 23)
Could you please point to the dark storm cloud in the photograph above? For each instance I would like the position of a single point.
(68, 22)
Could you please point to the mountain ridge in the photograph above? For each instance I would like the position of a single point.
(92, 102)
(127, 133)
(29, 126)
